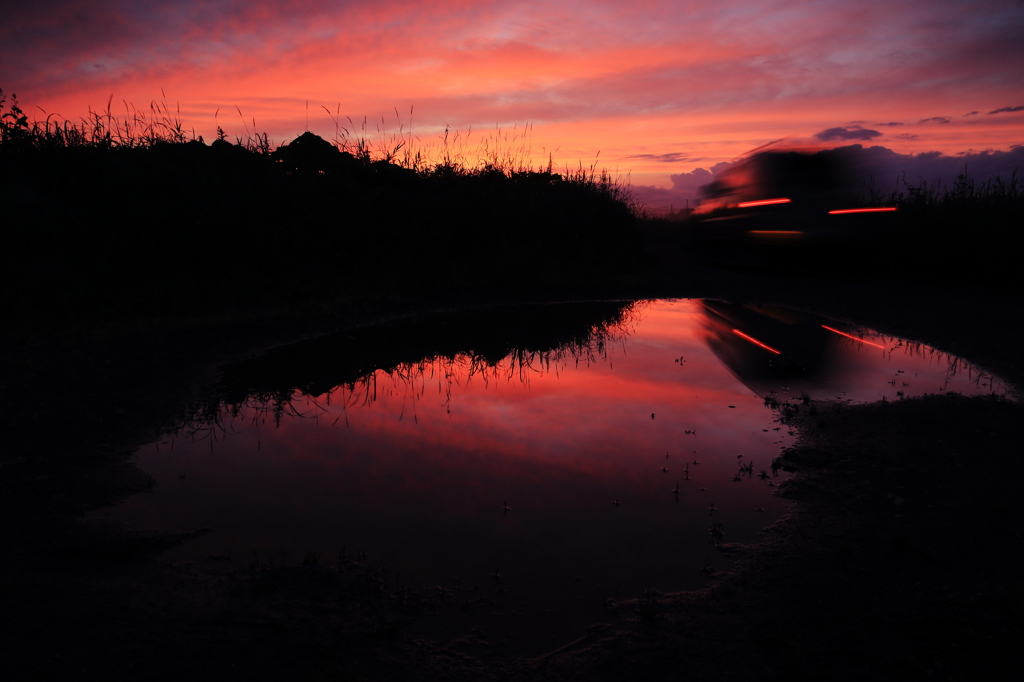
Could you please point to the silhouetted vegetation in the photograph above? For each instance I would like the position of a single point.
(134, 215)
(772, 211)
(968, 234)
(530, 337)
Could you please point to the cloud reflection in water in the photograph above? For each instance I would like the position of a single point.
(409, 443)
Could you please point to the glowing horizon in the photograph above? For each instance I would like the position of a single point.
(649, 89)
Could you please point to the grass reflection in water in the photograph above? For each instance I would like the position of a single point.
(513, 442)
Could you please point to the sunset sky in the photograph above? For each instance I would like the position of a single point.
(658, 88)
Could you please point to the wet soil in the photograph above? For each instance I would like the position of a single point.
(896, 562)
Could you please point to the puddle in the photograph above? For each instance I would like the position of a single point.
(519, 465)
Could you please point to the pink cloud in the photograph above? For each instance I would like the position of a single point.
(842, 133)
(656, 86)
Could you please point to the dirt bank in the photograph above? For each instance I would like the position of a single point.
(897, 562)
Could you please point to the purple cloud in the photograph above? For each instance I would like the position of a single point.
(670, 157)
(883, 166)
(935, 119)
(685, 189)
(1006, 110)
(847, 134)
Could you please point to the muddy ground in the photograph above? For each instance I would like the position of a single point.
(897, 560)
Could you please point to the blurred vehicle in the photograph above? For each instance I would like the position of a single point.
(767, 347)
(776, 202)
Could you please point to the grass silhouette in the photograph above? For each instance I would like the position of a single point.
(134, 215)
(964, 237)
(967, 234)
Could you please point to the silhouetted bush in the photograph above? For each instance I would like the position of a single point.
(137, 217)
(966, 235)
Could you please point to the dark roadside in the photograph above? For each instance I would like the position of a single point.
(101, 605)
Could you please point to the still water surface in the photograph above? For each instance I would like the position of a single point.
(531, 470)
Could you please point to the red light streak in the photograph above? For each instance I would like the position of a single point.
(754, 341)
(765, 202)
(775, 232)
(849, 336)
(863, 210)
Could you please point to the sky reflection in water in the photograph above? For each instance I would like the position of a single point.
(414, 465)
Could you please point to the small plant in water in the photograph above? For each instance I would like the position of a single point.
(716, 534)
(265, 576)
(649, 606)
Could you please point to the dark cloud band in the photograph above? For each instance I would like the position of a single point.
(846, 134)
